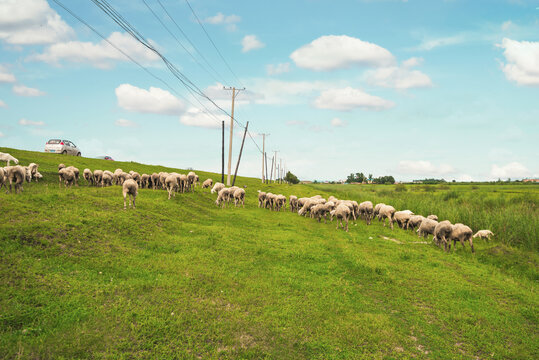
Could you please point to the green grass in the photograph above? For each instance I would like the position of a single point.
(82, 278)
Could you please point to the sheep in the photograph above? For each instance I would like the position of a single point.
(171, 184)
(217, 187)
(341, 212)
(377, 210)
(432, 217)
(116, 176)
(402, 217)
(191, 176)
(366, 211)
(293, 201)
(261, 198)
(333, 199)
(123, 177)
(387, 212)
(270, 201)
(207, 183)
(442, 231)
(130, 187)
(309, 204)
(68, 176)
(415, 221)
(280, 202)
(155, 180)
(15, 174)
(88, 176)
(222, 197)
(462, 233)
(320, 210)
(239, 197)
(197, 179)
(27, 174)
(98, 177)
(33, 170)
(184, 182)
(61, 166)
(76, 173)
(301, 202)
(136, 176)
(8, 158)
(2, 177)
(484, 234)
(107, 179)
(162, 176)
(426, 227)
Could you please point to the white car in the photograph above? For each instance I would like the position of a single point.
(64, 147)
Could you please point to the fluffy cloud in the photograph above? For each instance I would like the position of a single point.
(27, 22)
(274, 91)
(125, 123)
(511, 170)
(198, 118)
(337, 52)
(336, 122)
(22, 90)
(522, 59)
(278, 69)
(5, 76)
(100, 55)
(424, 168)
(400, 77)
(251, 42)
(153, 101)
(25, 122)
(348, 98)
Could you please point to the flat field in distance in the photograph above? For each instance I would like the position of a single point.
(82, 278)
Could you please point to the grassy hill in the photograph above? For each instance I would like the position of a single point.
(82, 278)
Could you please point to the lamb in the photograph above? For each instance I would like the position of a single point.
(442, 233)
(171, 184)
(32, 168)
(222, 197)
(402, 217)
(341, 212)
(293, 201)
(415, 221)
(366, 211)
(207, 183)
(88, 176)
(462, 233)
(280, 202)
(38, 175)
(98, 177)
(387, 212)
(191, 176)
(15, 174)
(426, 227)
(68, 176)
(8, 158)
(107, 179)
(239, 197)
(144, 181)
(217, 187)
(130, 187)
(155, 180)
(484, 234)
(261, 198)
(433, 217)
(377, 210)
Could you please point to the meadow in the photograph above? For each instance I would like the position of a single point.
(82, 278)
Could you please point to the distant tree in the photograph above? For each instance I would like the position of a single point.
(370, 177)
(350, 178)
(291, 178)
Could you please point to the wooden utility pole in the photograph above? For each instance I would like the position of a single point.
(241, 150)
(266, 159)
(275, 169)
(271, 171)
(281, 170)
(263, 155)
(223, 153)
(234, 93)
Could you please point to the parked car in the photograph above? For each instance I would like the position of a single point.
(64, 147)
(106, 157)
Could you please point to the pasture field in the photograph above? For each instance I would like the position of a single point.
(82, 278)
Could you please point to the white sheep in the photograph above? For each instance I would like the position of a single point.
(280, 202)
(217, 187)
(8, 158)
(484, 234)
(442, 231)
(136, 176)
(293, 201)
(130, 187)
(432, 217)
(366, 211)
(68, 176)
(184, 182)
(15, 174)
(222, 197)
(261, 198)
(123, 177)
(171, 184)
(207, 183)
(144, 181)
(116, 176)
(342, 213)
(191, 177)
(239, 197)
(426, 227)
(98, 177)
(387, 212)
(377, 210)
(76, 173)
(462, 233)
(415, 221)
(88, 176)
(155, 180)
(32, 168)
(107, 178)
(402, 217)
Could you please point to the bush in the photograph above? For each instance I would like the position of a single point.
(400, 188)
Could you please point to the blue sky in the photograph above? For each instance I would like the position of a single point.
(412, 89)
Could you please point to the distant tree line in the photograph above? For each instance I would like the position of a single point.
(291, 178)
(361, 178)
(431, 181)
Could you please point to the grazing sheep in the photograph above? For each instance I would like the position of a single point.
(107, 179)
(414, 221)
(222, 197)
(144, 180)
(88, 176)
(301, 202)
(110, 173)
(136, 176)
(442, 233)
(61, 166)
(207, 183)
(484, 234)
(433, 217)
(197, 179)
(387, 212)
(184, 182)
(280, 202)
(261, 198)
(270, 201)
(239, 197)
(162, 176)
(98, 177)
(2, 177)
(402, 217)
(366, 211)
(123, 177)
(426, 227)
(333, 199)
(76, 172)
(8, 158)
(155, 180)
(462, 233)
(15, 174)
(191, 176)
(377, 210)
(171, 184)
(341, 212)
(130, 187)
(116, 176)
(293, 201)
(217, 187)
(32, 168)
(68, 176)
(27, 174)
(320, 211)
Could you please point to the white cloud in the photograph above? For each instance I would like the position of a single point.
(398, 78)
(429, 44)
(413, 61)
(22, 90)
(336, 52)
(5, 76)
(507, 25)
(522, 59)
(336, 122)
(125, 123)
(101, 55)
(251, 42)
(424, 168)
(278, 69)
(2, 104)
(25, 122)
(27, 22)
(153, 101)
(511, 170)
(348, 98)
(2, 134)
(272, 91)
(220, 18)
(196, 117)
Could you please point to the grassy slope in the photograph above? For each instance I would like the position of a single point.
(80, 277)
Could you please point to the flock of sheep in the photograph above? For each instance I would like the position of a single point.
(443, 232)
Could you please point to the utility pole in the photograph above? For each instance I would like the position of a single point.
(263, 154)
(223, 152)
(275, 169)
(266, 160)
(241, 150)
(234, 93)
(281, 170)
